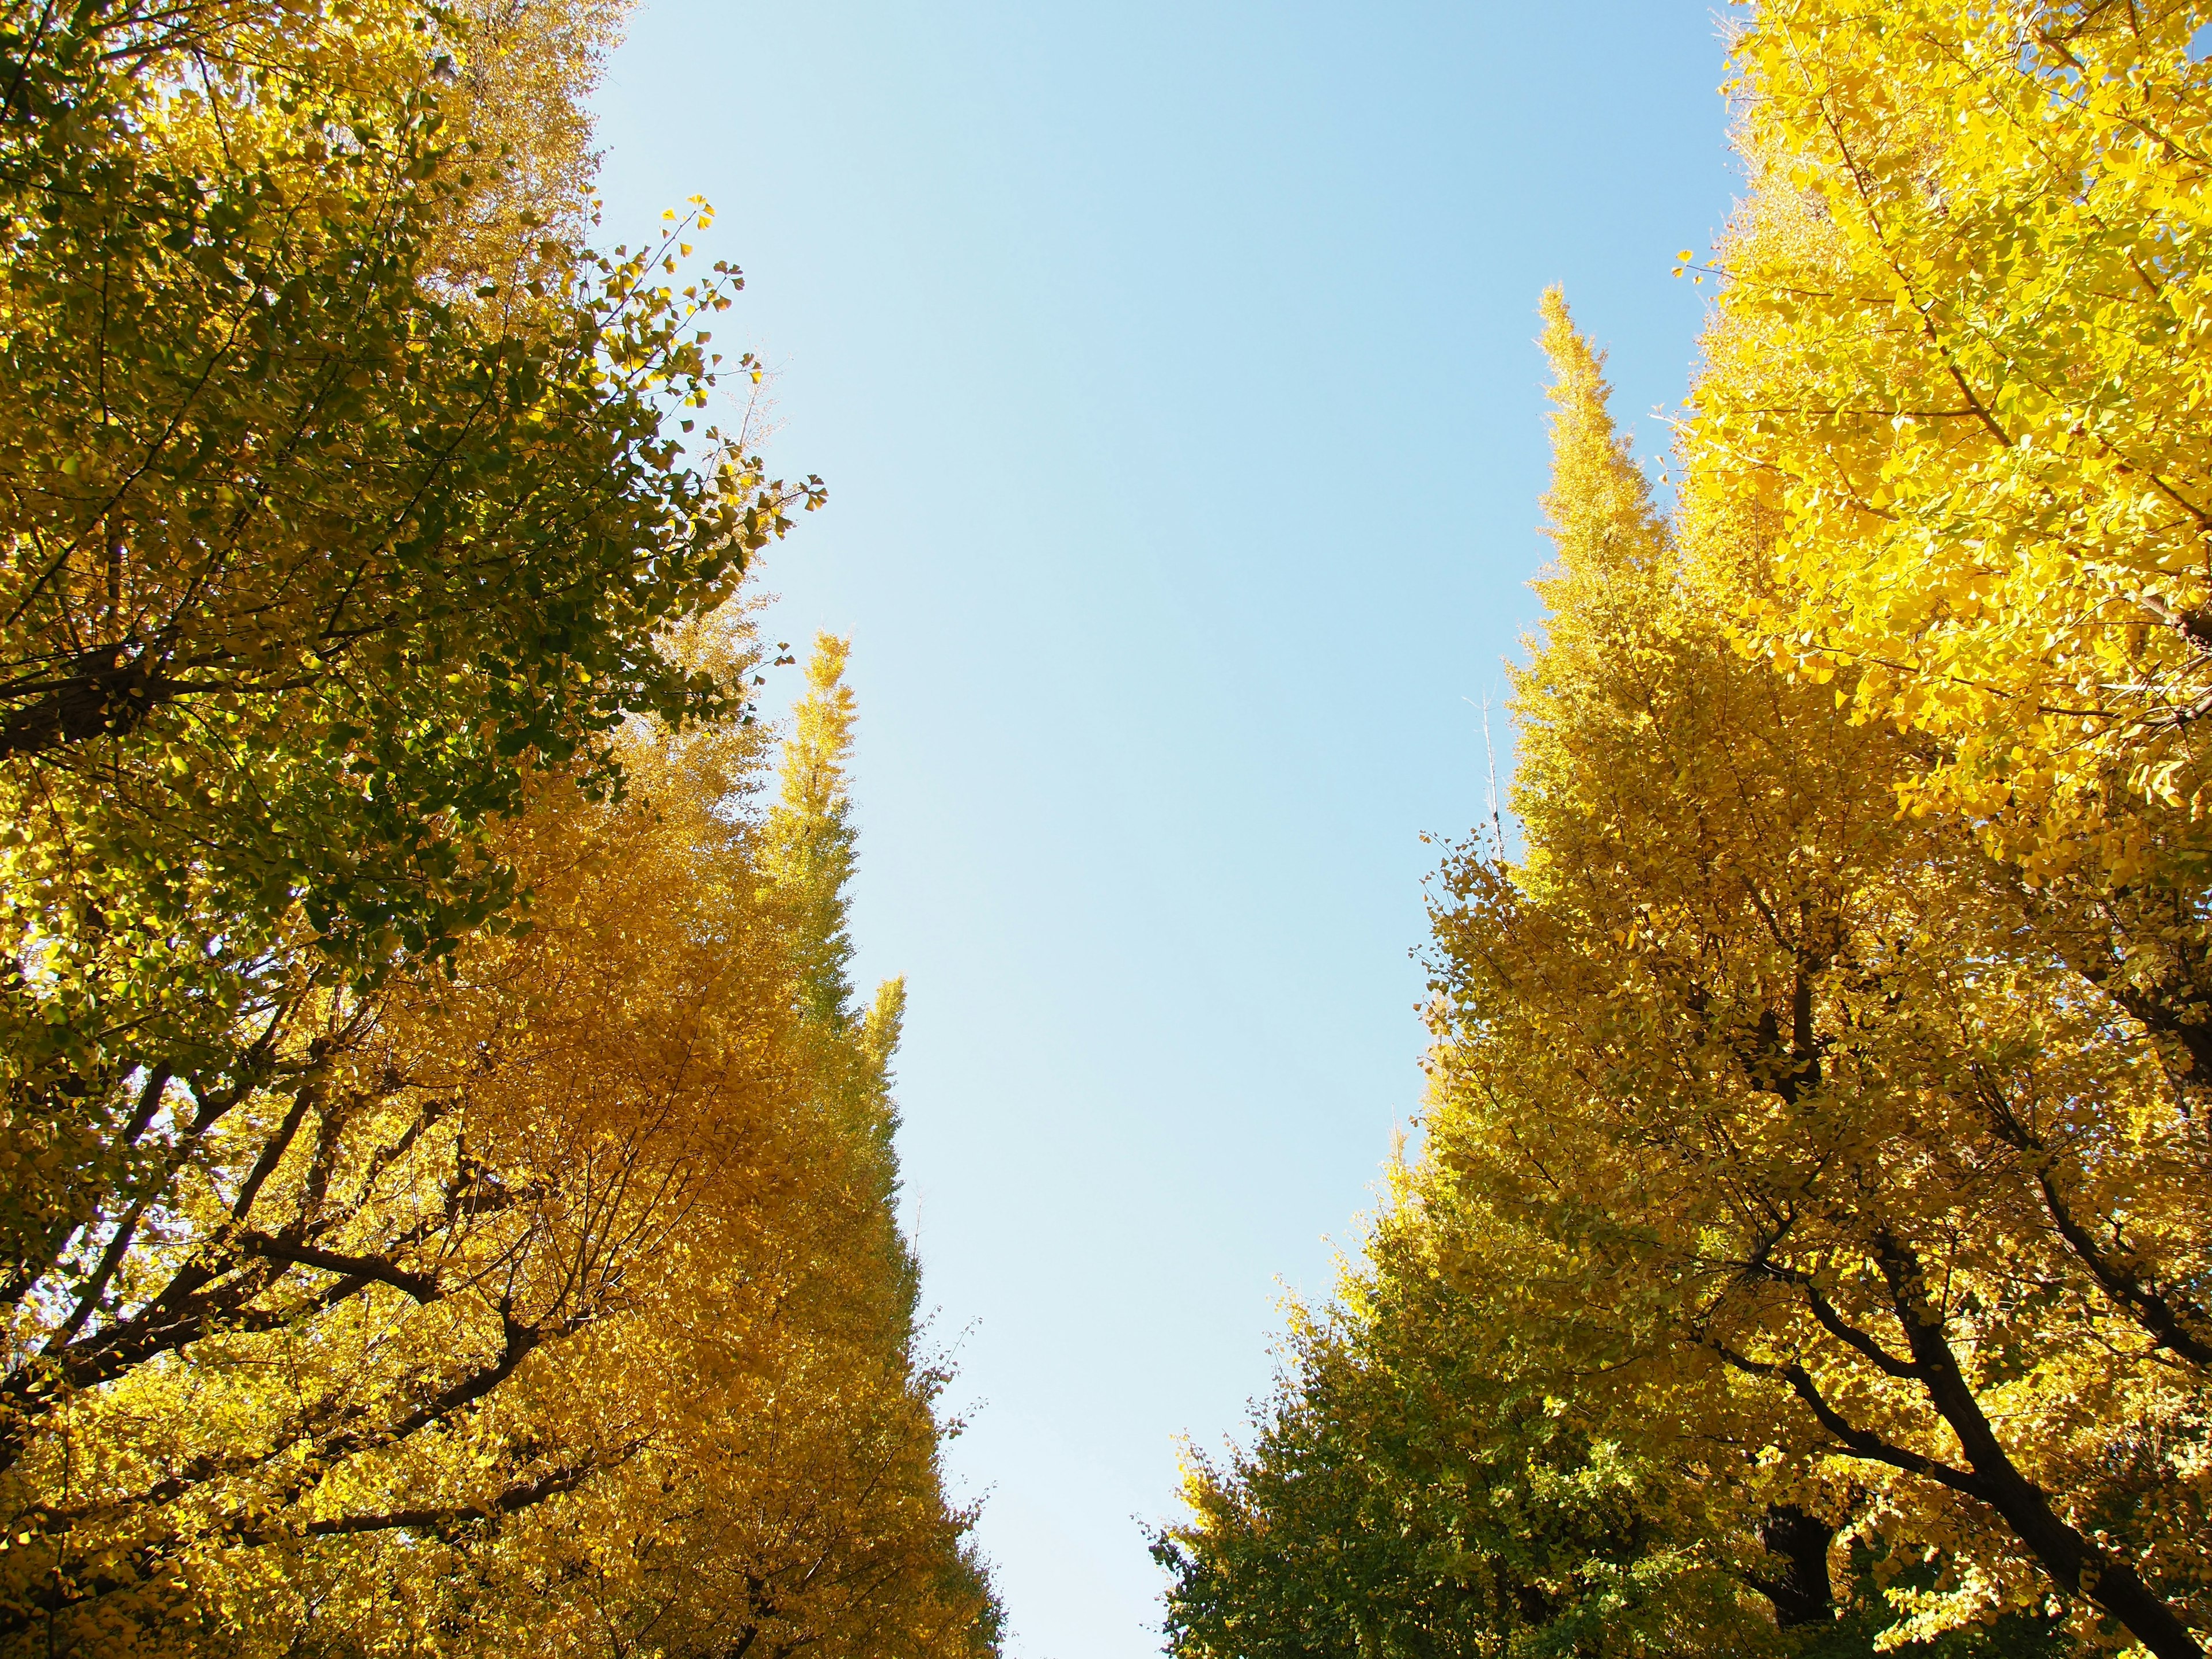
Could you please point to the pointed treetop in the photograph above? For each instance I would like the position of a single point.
(809, 838)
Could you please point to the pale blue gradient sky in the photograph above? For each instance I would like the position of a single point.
(1171, 369)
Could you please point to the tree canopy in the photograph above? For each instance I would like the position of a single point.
(448, 1187)
(1807, 1251)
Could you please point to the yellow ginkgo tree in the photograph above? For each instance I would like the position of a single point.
(1799, 1111)
(446, 1181)
(556, 1298)
(1800, 1204)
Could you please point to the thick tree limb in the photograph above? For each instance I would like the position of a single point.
(2077, 1564)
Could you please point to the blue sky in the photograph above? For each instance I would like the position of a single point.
(1171, 370)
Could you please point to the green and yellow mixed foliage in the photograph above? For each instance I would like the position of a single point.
(445, 1177)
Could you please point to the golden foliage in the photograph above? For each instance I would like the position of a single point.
(1809, 1198)
(1959, 357)
(1819, 1102)
(1792, 1099)
(448, 1183)
(555, 1299)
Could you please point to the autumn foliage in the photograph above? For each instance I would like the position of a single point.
(1808, 1251)
(448, 1188)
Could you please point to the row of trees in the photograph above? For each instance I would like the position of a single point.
(446, 1180)
(1811, 1247)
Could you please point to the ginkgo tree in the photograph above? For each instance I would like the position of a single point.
(446, 1178)
(1820, 1099)
(557, 1297)
(1797, 1090)
(1783, 1162)
(319, 543)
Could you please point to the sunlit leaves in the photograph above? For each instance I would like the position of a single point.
(1960, 355)
(328, 519)
(439, 1190)
(1811, 1209)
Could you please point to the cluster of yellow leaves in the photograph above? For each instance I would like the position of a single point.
(1962, 357)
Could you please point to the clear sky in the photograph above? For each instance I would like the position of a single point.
(1171, 369)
